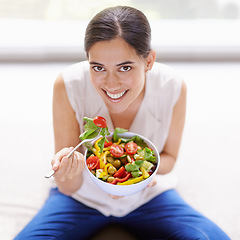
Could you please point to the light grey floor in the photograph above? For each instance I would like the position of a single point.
(209, 161)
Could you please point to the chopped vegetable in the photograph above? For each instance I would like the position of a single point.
(92, 162)
(147, 165)
(100, 122)
(145, 174)
(131, 147)
(93, 127)
(121, 161)
(116, 150)
(120, 172)
(121, 180)
(132, 181)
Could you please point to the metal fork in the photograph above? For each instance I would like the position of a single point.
(50, 174)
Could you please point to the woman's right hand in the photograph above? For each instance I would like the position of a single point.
(67, 168)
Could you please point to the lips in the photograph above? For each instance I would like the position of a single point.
(115, 96)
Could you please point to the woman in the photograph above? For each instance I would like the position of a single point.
(121, 82)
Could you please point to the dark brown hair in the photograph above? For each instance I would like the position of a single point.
(121, 21)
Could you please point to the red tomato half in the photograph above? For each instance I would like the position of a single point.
(116, 150)
(100, 122)
(119, 172)
(131, 147)
(107, 144)
(92, 162)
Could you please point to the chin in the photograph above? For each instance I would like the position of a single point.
(115, 108)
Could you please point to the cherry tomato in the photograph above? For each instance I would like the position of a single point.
(107, 144)
(100, 122)
(131, 147)
(116, 150)
(119, 172)
(92, 162)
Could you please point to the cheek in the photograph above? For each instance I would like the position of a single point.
(139, 80)
(94, 80)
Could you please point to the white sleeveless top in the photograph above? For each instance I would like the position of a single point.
(153, 119)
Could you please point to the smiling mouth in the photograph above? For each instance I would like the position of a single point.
(115, 96)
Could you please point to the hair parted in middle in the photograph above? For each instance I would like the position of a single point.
(121, 21)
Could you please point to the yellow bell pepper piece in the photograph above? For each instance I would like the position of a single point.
(106, 149)
(119, 141)
(103, 157)
(106, 167)
(102, 175)
(145, 174)
(102, 164)
(131, 181)
(97, 148)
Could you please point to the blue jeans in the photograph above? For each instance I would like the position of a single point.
(166, 216)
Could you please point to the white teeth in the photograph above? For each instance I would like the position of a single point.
(115, 96)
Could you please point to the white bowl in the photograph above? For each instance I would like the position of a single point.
(125, 190)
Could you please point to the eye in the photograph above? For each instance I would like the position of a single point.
(98, 69)
(125, 68)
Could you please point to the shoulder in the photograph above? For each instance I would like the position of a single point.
(163, 89)
(164, 74)
(76, 79)
(163, 79)
(78, 71)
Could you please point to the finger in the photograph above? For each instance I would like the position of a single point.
(63, 163)
(58, 157)
(152, 183)
(115, 197)
(60, 174)
(80, 163)
(73, 168)
(67, 164)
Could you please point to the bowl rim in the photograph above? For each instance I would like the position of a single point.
(121, 135)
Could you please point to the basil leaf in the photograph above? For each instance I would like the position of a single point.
(135, 173)
(139, 163)
(131, 167)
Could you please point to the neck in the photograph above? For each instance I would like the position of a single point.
(125, 118)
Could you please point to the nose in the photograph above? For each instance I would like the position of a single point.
(112, 82)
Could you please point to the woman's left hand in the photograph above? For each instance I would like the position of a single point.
(151, 184)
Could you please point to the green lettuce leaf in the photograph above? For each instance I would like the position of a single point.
(92, 131)
(148, 155)
(118, 131)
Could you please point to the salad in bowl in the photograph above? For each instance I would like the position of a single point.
(121, 163)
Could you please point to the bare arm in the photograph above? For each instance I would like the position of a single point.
(170, 151)
(66, 134)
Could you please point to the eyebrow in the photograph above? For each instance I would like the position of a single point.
(124, 63)
(96, 63)
(119, 64)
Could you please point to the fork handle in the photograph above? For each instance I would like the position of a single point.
(50, 174)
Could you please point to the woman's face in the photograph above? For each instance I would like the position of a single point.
(118, 74)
